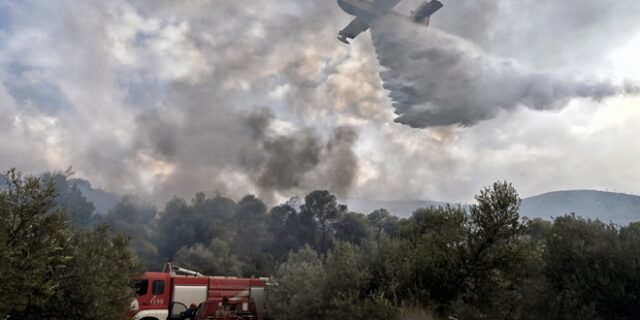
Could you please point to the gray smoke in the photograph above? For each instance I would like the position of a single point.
(299, 160)
(437, 79)
(341, 161)
(159, 97)
(223, 148)
(208, 127)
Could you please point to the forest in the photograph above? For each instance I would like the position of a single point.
(62, 260)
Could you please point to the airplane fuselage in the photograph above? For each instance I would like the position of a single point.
(362, 9)
(366, 11)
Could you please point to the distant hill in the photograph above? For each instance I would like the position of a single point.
(396, 208)
(613, 207)
(102, 200)
(618, 208)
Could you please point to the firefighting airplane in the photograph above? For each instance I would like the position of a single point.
(366, 11)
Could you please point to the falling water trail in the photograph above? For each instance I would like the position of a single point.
(438, 79)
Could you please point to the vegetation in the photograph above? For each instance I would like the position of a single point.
(484, 262)
(46, 264)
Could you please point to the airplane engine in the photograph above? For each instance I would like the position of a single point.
(425, 10)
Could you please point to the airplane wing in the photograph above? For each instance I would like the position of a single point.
(367, 10)
(424, 12)
(356, 27)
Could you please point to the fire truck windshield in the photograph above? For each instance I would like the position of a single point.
(141, 286)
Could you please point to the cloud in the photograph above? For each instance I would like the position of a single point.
(543, 33)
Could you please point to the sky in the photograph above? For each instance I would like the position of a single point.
(166, 98)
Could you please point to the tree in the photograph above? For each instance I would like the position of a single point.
(138, 221)
(462, 264)
(383, 222)
(284, 228)
(250, 225)
(182, 224)
(537, 229)
(391, 271)
(215, 259)
(448, 223)
(176, 228)
(353, 227)
(214, 217)
(593, 269)
(51, 271)
(348, 294)
(322, 208)
(495, 217)
(493, 252)
(299, 293)
(128, 214)
(70, 199)
(34, 243)
(95, 281)
(435, 258)
(228, 262)
(251, 236)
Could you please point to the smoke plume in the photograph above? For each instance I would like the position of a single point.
(299, 159)
(161, 98)
(248, 151)
(437, 79)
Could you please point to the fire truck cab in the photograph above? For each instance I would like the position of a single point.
(173, 294)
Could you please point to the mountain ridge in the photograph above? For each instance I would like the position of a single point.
(615, 207)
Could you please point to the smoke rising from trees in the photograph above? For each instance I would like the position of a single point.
(250, 143)
(281, 162)
(160, 96)
(438, 79)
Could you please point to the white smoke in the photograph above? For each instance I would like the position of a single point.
(437, 79)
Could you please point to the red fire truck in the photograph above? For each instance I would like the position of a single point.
(170, 294)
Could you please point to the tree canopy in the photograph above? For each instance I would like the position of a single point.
(51, 270)
(484, 261)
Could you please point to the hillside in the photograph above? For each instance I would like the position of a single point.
(397, 208)
(102, 200)
(618, 208)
